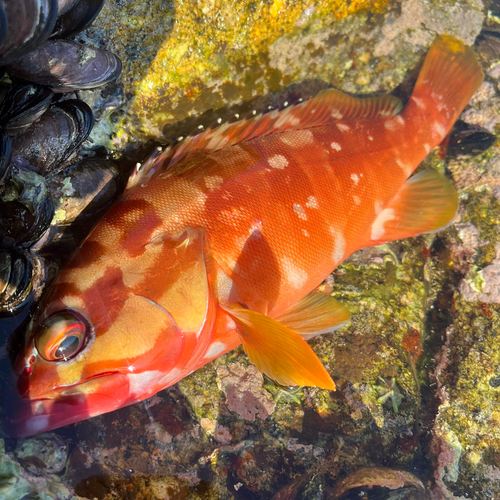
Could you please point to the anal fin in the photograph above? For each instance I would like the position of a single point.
(427, 202)
(315, 314)
(278, 351)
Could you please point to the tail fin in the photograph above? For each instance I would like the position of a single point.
(448, 78)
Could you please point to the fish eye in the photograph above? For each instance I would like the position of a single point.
(62, 336)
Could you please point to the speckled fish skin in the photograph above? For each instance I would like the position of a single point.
(253, 214)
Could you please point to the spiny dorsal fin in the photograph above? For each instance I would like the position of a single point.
(278, 351)
(427, 202)
(315, 314)
(329, 106)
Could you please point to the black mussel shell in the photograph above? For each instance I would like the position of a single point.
(81, 194)
(492, 22)
(18, 270)
(467, 141)
(29, 24)
(64, 5)
(26, 208)
(66, 66)
(4, 24)
(3, 92)
(77, 18)
(85, 189)
(488, 48)
(21, 106)
(5, 151)
(55, 136)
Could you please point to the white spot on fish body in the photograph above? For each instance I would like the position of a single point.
(355, 179)
(336, 114)
(224, 285)
(173, 374)
(399, 120)
(370, 138)
(357, 200)
(439, 128)
(295, 121)
(278, 161)
(419, 102)
(338, 245)
(299, 211)
(233, 216)
(441, 105)
(140, 381)
(297, 138)
(343, 127)
(427, 148)
(335, 146)
(213, 181)
(312, 202)
(390, 125)
(378, 226)
(294, 275)
(407, 169)
(305, 232)
(379, 206)
(215, 350)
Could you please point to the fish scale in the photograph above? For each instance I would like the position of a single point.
(222, 240)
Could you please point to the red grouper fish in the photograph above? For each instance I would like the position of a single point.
(223, 239)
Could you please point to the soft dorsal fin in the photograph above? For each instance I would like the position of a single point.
(426, 202)
(315, 314)
(278, 351)
(329, 106)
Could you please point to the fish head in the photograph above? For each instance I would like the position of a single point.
(99, 343)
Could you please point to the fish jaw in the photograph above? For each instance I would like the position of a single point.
(68, 405)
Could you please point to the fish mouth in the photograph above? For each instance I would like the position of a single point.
(67, 405)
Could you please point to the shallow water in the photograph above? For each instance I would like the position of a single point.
(417, 367)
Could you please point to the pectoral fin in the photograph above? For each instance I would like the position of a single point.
(315, 314)
(179, 278)
(278, 351)
(427, 202)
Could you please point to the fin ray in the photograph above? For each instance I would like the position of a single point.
(315, 314)
(278, 351)
(427, 202)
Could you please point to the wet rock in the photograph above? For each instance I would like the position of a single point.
(45, 454)
(16, 483)
(244, 392)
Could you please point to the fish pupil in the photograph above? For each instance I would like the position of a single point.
(67, 347)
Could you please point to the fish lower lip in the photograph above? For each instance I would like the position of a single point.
(95, 396)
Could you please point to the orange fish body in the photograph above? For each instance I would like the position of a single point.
(221, 239)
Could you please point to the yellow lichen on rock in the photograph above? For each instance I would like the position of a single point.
(213, 43)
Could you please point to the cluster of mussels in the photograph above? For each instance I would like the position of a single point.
(42, 126)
